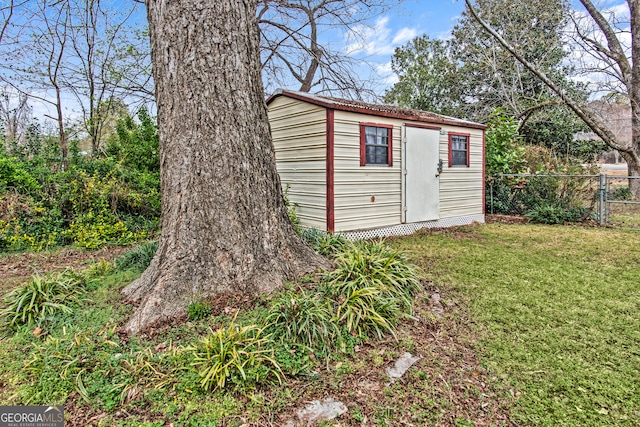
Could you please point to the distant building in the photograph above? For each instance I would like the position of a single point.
(615, 112)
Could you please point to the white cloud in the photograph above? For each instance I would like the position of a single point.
(404, 35)
(591, 67)
(385, 74)
(378, 39)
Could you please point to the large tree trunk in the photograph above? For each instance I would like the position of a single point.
(224, 223)
(634, 171)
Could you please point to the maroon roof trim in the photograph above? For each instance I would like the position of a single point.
(374, 109)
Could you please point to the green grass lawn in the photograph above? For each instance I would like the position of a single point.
(539, 325)
(558, 313)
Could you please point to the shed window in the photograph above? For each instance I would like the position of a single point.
(375, 144)
(458, 149)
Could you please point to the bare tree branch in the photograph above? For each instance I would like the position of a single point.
(581, 111)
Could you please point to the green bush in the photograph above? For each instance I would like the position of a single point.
(553, 214)
(89, 201)
(136, 143)
(328, 244)
(236, 354)
(504, 153)
(42, 297)
(544, 199)
(90, 232)
(374, 264)
(303, 318)
(137, 259)
(13, 174)
(621, 193)
(373, 287)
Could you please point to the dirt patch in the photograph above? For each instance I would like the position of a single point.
(18, 268)
(505, 219)
(447, 386)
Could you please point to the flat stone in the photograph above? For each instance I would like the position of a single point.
(401, 366)
(435, 298)
(316, 411)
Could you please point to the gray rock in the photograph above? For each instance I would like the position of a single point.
(317, 411)
(401, 366)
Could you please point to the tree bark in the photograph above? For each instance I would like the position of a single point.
(224, 222)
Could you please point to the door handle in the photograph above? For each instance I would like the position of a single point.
(439, 167)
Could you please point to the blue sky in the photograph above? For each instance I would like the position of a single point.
(397, 26)
(436, 18)
(433, 17)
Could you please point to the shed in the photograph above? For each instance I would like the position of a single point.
(372, 170)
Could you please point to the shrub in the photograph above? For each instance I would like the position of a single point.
(372, 286)
(504, 154)
(621, 193)
(546, 198)
(42, 297)
(14, 174)
(92, 232)
(237, 354)
(302, 318)
(324, 243)
(137, 259)
(365, 309)
(554, 214)
(92, 201)
(365, 264)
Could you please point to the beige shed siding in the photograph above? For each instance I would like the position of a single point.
(461, 188)
(299, 137)
(355, 185)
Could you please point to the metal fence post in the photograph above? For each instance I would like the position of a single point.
(491, 195)
(602, 184)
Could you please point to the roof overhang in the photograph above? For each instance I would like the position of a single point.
(380, 110)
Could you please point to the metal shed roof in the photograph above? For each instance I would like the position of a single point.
(382, 110)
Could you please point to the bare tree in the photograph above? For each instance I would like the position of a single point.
(36, 62)
(77, 56)
(294, 45)
(15, 113)
(98, 36)
(224, 222)
(622, 63)
(7, 11)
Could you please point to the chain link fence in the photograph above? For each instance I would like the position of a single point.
(619, 208)
(557, 199)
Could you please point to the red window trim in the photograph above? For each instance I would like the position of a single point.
(468, 135)
(363, 155)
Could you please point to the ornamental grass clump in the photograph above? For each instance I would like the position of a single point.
(324, 243)
(373, 287)
(237, 354)
(137, 259)
(42, 297)
(303, 318)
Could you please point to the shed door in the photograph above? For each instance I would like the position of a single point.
(422, 182)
